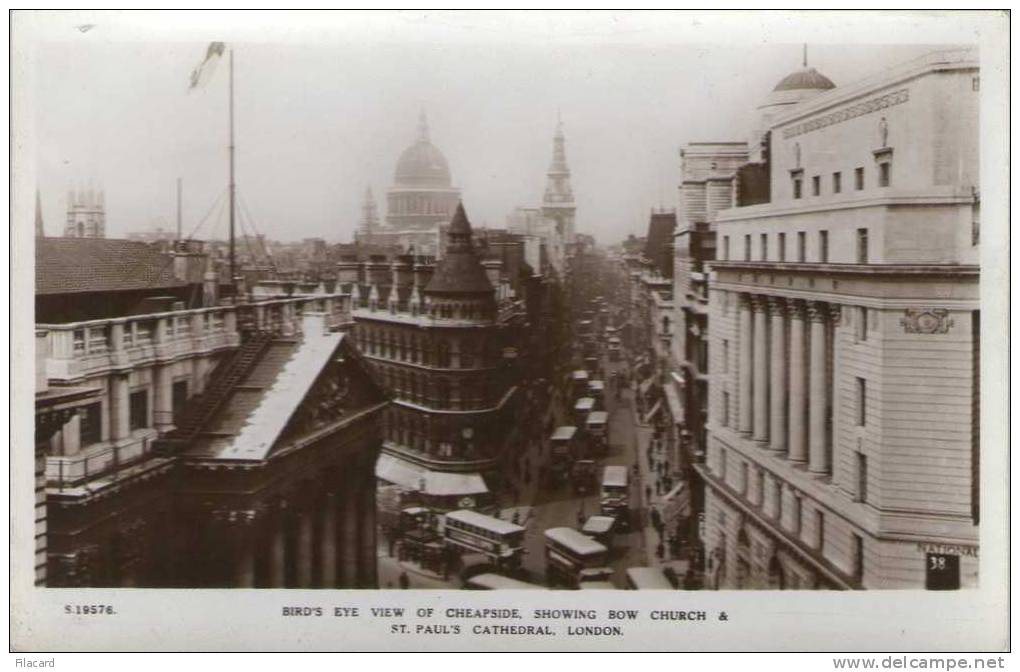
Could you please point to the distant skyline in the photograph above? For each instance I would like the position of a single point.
(316, 123)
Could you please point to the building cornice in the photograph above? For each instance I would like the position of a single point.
(936, 61)
(864, 270)
(928, 198)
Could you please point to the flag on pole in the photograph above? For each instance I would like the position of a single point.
(201, 74)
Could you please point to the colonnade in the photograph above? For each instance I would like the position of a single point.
(785, 358)
(322, 534)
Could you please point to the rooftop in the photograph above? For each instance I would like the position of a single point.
(70, 265)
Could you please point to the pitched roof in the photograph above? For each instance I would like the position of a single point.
(69, 265)
(254, 419)
(459, 271)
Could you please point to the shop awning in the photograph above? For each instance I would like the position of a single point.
(415, 477)
(677, 502)
(676, 409)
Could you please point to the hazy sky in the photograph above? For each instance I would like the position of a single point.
(322, 114)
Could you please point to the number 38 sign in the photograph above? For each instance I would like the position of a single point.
(942, 571)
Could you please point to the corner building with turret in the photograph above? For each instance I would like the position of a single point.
(445, 348)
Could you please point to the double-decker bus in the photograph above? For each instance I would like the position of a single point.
(582, 407)
(579, 382)
(475, 532)
(647, 578)
(598, 432)
(572, 558)
(615, 499)
(491, 581)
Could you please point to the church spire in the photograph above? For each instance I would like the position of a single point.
(369, 212)
(558, 201)
(423, 126)
(557, 189)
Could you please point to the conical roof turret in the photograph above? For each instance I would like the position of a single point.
(460, 270)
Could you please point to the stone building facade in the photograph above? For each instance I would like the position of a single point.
(224, 445)
(843, 444)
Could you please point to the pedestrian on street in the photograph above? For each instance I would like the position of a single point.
(648, 492)
(404, 581)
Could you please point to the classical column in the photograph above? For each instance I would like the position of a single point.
(120, 420)
(818, 459)
(278, 546)
(744, 364)
(369, 552)
(244, 561)
(304, 545)
(798, 398)
(163, 405)
(777, 367)
(327, 548)
(349, 551)
(761, 370)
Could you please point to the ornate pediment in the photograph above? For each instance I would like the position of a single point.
(343, 388)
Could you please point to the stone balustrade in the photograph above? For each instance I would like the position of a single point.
(96, 347)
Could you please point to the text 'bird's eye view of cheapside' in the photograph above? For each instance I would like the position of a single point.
(510, 357)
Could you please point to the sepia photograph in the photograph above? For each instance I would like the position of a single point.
(404, 303)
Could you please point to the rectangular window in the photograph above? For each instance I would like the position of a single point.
(743, 478)
(798, 508)
(180, 396)
(884, 174)
(782, 247)
(862, 324)
(862, 402)
(862, 477)
(139, 409)
(823, 247)
(90, 428)
(726, 248)
(862, 246)
(858, 549)
(796, 187)
(726, 409)
(816, 185)
(725, 356)
(837, 182)
(747, 247)
(858, 178)
(760, 490)
(801, 246)
(722, 464)
(819, 530)
(764, 247)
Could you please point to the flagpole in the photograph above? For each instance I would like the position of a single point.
(233, 277)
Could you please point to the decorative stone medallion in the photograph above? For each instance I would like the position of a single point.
(926, 321)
